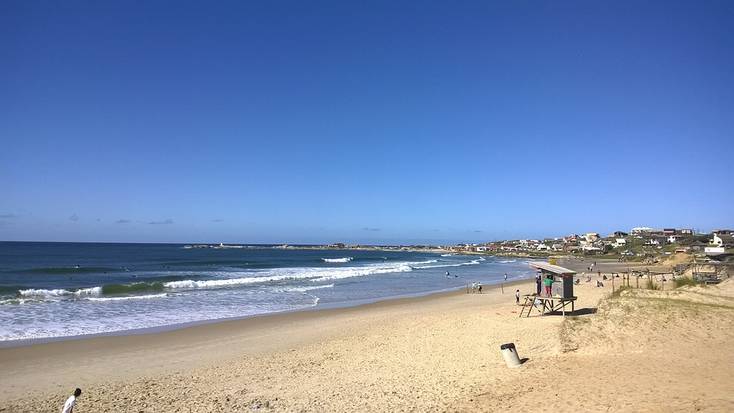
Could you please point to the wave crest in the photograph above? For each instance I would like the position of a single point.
(132, 297)
(43, 293)
(337, 260)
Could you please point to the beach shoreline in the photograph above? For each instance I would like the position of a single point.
(318, 307)
(438, 352)
(18, 358)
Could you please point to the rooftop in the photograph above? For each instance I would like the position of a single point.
(555, 269)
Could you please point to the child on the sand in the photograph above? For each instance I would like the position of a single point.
(71, 402)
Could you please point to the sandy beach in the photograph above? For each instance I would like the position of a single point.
(640, 350)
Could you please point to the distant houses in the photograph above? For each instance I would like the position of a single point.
(639, 241)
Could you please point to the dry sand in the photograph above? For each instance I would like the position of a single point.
(641, 351)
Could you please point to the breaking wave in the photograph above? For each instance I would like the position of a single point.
(337, 260)
(460, 264)
(131, 297)
(42, 293)
(254, 277)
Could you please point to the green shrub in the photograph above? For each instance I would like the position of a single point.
(683, 281)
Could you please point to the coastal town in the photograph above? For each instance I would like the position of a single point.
(640, 243)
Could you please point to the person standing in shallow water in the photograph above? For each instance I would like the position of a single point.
(71, 402)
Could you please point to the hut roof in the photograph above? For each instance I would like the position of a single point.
(555, 269)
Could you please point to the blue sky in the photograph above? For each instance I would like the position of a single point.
(378, 122)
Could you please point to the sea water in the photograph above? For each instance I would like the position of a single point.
(51, 290)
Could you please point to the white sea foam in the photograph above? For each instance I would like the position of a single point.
(56, 318)
(43, 293)
(131, 297)
(304, 289)
(192, 284)
(315, 274)
(209, 295)
(506, 261)
(337, 260)
(447, 255)
(460, 264)
(11, 301)
(89, 291)
(55, 293)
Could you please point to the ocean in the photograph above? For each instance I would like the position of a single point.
(54, 290)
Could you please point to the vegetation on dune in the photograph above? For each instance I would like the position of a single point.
(683, 281)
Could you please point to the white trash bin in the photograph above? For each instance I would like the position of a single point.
(510, 354)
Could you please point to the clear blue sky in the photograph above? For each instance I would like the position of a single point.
(391, 121)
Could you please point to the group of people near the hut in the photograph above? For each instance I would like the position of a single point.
(546, 281)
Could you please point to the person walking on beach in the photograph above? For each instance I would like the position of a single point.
(517, 297)
(479, 287)
(71, 402)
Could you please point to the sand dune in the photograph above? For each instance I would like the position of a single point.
(643, 351)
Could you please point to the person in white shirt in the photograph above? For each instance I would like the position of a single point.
(71, 402)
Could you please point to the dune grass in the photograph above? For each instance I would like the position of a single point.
(683, 281)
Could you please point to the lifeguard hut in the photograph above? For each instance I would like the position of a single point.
(562, 291)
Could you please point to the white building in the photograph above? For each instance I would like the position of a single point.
(717, 241)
